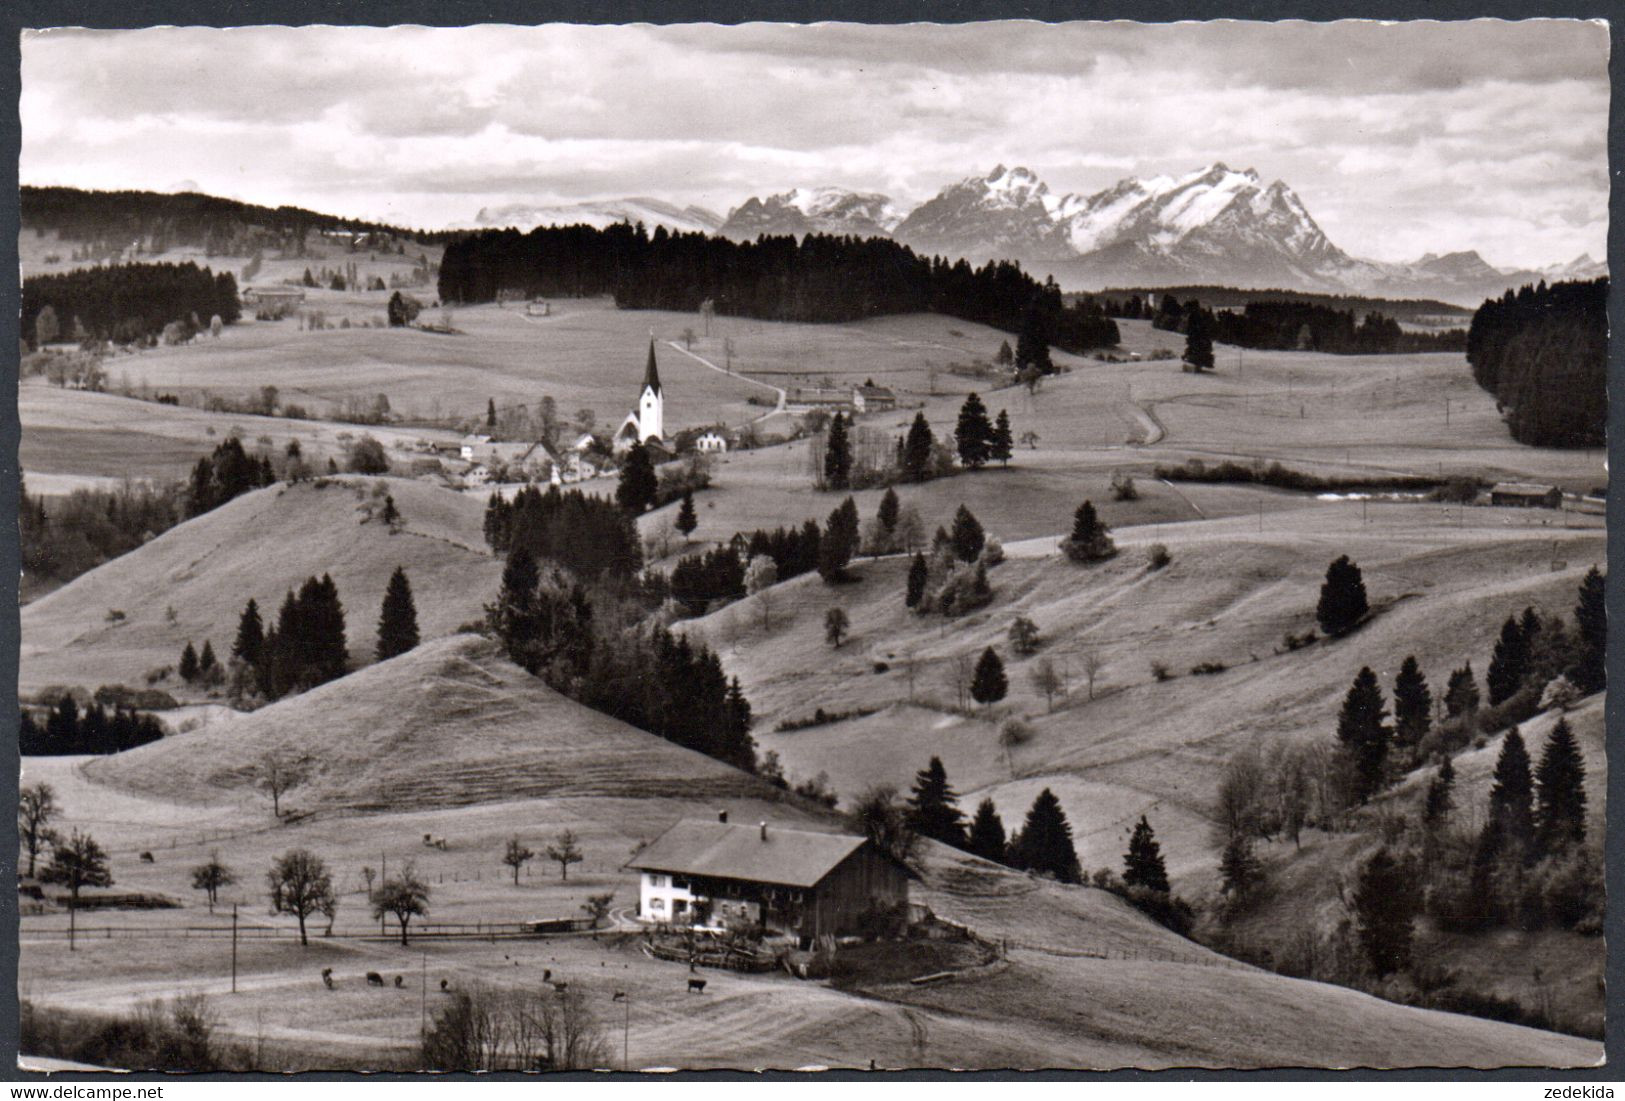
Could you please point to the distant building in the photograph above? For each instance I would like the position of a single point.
(829, 399)
(647, 421)
(870, 398)
(711, 442)
(1525, 495)
(797, 882)
(273, 296)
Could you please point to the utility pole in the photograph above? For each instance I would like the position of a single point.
(234, 948)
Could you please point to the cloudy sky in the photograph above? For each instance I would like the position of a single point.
(1400, 138)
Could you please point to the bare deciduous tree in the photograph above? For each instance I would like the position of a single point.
(36, 806)
(404, 895)
(516, 856)
(210, 877)
(564, 852)
(1092, 662)
(1047, 681)
(300, 885)
(277, 774)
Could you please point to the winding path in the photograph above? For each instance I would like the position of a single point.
(784, 397)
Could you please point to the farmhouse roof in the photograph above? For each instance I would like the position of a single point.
(791, 858)
(1521, 489)
(876, 391)
(651, 377)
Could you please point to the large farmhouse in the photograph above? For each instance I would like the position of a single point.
(798, 882)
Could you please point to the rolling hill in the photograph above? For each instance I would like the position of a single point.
(207, 568)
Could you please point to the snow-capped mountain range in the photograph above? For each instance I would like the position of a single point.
(1213, 226)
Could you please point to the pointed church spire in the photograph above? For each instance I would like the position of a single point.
(651, 377)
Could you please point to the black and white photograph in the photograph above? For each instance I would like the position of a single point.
(824, 546)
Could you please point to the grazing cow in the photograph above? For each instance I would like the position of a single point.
(444, 984)
(374, 979)
(400, 981)
(146, 858)
(560, 987)
(327, 977)
(547, 974)
(696, 986)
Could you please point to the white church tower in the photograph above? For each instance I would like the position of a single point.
(648, 420)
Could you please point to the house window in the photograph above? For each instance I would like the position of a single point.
(657, 881)
(679, 906)
(657, 904)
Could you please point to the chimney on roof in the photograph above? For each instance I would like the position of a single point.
(764, 831)
(722, 816)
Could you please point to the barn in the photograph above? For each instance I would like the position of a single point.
(796, 882)
(1525, 495)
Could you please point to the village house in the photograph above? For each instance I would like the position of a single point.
(795, 882)
(273, 296)
(804, 399)
(870, 398)
(1525, 495)
(711, 442)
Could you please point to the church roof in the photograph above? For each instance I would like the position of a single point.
(651, 377)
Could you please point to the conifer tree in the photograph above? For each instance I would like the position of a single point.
(1239, 869)
(206, 662)
(512, 618)
(988, 683)
(1091, 539)
(1199, 339)
(1142, 864)
(1511, 823)
(1384, 903)
(1002, 444)
(1342, 598)
(188, 665)
(398, 621)
(1461, 694)
(1589, 672)
(638, 487)
(687, 521)
(918, 574)
(967, 536)
(987, 832)
(933, 806)
(1363, 735)
(837, 455)
(974, 434)
(1508, 663)
(1044, 844)
(1560, 798)
(490, 412)
(838, 542)
(1413, 706)
(1441, 793)
(888, 512)
(917, 448)
(1032, 342)
(1004, 357)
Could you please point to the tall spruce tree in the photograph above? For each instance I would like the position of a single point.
(988, 683)
(1511, 824)
(512, 618)
(1441, 793)
(1342, 598)
(917, 449)
(967, 536)
(1413, 706)
(206, 662)
(1589, 672)
(1032, 342)
(918, 574)
(638, 486)
(398, 621)
(837, 455)
(974, 433)
(1044, 844)
(1362, 733)
(1508, 664)
(987, 833)
(1142, 864)
(1199, 338)
(1560, 797)
(1384, 903)
(490, 412)
(1002, 444)
(838, 542)
(1239, 868)
(188, 664)
(687, 521)
(933, 806)
(1461, 693)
